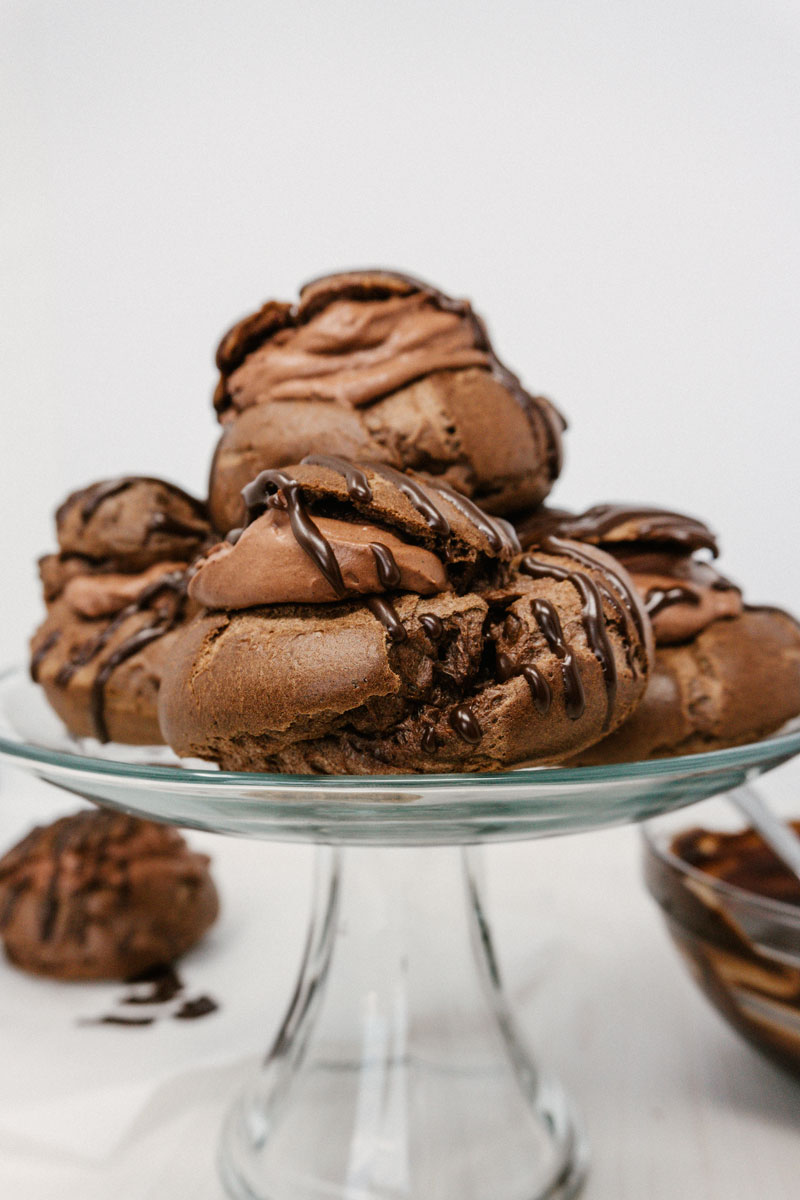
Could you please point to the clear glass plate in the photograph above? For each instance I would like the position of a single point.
(377, 809)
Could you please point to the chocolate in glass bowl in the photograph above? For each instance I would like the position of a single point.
(733, 910)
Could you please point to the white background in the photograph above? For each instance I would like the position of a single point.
(616, 185)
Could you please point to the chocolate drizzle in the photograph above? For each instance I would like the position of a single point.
(162, 522)
(119, 1019)
(540, 689)
(164, 985)
(464, 722)
(550, 625)
(385, 565)
(623, 597)
(499, 533)
(175, 583)
(658, 599)
(430, 739)
(386, 613)
(357, 483)
(274, 488)
(541, 692)
(594, 625)
(434, 517)
(39, 655)
(92, 497)
(433, 626)
(600, 523)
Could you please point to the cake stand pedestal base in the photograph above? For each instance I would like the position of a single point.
(399, 1073)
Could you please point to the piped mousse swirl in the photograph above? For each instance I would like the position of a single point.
(356, 337)
(379, 366)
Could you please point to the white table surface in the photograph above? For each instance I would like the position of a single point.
(674, 1103)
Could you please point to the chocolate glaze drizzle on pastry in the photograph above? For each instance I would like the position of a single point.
(464, 722)
(79, 834)
(275, 488)
(499, 533)
(656, 546)
(92, 497)
(600, 523)
(41, 654)
(659, 599)
(173, 585)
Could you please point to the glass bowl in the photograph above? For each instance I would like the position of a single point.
(742, 948)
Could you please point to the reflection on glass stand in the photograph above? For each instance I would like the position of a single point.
(398, 1072)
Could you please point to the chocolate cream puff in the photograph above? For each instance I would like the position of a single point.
(725, 672)
(101, 895)
(115, 593)
(376, 365)
(368, 621)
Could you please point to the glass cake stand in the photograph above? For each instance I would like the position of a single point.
(398, 1072)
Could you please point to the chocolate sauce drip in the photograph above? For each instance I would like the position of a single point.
(386, 566)
(550, 625)
(260, 494)
(498, 533)
(541, 692)
(165, 985)
(433, 626)
(12, 898)
(162, 522)
(103, 492)
(93, 497)
(193, 1009)
(89, 649)
(430, 739)
(386, 613)
(68, 837)
(38, 657)
(131, 646)
(596, 524)
(657, 599)
(592, 616)
(357, 483)
(175, 582)
(413, 492)
(464, 722)
(622, 595)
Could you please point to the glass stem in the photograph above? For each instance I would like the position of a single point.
(398, 1071)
